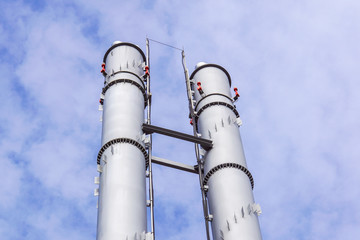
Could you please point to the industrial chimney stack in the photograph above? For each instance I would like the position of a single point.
(125, 160)
(227, 181)
(122, 158)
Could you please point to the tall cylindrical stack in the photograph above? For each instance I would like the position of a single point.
(122, 158)
(226, 177)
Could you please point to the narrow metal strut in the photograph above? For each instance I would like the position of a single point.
(148, 121)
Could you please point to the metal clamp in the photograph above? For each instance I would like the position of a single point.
(126, 81)
(229, 165)
(123, 140)
(128, 72)
(214, 104)
(211, 94)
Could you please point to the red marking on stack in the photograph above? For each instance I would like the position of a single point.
(103, 68)
(237, 95)
(200, 88)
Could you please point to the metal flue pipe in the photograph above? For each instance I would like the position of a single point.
(122, 158)
(233, 212)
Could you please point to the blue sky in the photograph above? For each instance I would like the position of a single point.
(295, 63)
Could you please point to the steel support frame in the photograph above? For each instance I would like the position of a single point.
(204, 143)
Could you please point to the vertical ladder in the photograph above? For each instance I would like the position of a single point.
(148, 121)
(200, 162)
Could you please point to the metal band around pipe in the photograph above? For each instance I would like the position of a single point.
(211, 65)
(123, 140)
(215, 104)
(212, 94)
(123, 44)
(128, 72)
(229, 165)
(126, 81)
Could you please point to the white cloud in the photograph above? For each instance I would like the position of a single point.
(296, 65)
(11, 186)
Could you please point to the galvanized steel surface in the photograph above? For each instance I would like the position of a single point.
(122, 192)
(229, 183)
(122, 162)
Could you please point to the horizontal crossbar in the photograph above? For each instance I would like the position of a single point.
(204, 143)
(173, 164)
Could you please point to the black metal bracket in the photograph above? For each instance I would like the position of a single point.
(204, 143)
(123, 140)
(232, 107)
(229, 165)
(141, 88)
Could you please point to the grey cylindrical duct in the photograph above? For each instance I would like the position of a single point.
(230, 197)
(122, 158)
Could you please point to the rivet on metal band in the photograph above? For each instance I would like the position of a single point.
(123, 140)
(229, 165)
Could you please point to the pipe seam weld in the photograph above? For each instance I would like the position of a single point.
(123, 140)
(126, 81)
(229, 165)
